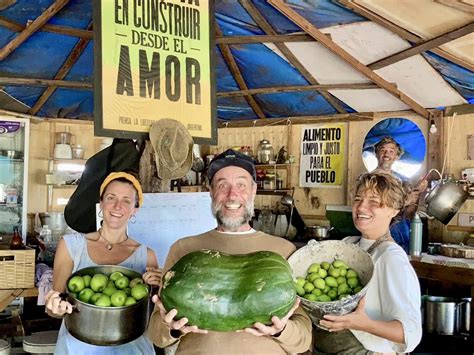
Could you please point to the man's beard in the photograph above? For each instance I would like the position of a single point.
(232, 224)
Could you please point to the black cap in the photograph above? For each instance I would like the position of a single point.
(231, 158)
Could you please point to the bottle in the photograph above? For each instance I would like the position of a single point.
(45, 234)
(416, 235)
(17, 241)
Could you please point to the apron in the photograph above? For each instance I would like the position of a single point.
(343, 342)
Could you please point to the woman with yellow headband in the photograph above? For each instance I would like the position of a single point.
(120, 197)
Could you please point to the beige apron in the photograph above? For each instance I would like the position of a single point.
(344, 342)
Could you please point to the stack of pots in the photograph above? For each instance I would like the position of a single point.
(447, 316)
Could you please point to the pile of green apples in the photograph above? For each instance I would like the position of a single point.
(114, 290)
(327, 282)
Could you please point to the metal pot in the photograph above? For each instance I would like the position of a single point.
(317, 232)
(442, 315)
(445, 200)
(107, 326)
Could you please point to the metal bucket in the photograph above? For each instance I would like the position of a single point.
(441, 315)
(464, 315)
(107, 326)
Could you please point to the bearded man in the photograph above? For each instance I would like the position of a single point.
(233, 188)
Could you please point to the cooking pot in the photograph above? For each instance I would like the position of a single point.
(317, 232)
(444, 315)
(444, 200)
(107, 326)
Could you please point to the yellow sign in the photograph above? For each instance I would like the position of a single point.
(322, 154)
(153, 61)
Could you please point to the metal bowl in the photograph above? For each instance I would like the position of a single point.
(107, 326)
(316, 252)
(317, 232)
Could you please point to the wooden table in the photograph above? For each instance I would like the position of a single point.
(459, 275)
(6, 296)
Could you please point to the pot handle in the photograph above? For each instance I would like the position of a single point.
(65, 297)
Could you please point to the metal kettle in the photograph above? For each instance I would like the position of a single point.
(443, 201)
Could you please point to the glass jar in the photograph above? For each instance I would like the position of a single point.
(266, 220)
(279, 182)
(270, 182)
(265, 152)
(260, 178)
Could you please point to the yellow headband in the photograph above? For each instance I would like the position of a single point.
(114, 176)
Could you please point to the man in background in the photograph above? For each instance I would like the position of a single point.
(233, 188)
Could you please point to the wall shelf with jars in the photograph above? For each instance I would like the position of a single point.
(273, 178)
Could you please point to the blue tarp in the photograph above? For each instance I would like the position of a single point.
(43, 54)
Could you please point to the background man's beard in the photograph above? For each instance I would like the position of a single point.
(232, 224)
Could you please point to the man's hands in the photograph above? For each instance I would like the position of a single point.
(180, 325)
(276, 328)
(152, 276)
(355, 320)
(55, 306)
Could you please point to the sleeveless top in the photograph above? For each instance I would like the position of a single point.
(67, 344)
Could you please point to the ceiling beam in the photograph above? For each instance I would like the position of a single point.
(403, 33)
(344, 117)
(45, 82)
(32, 28)
(62, 30)
(298, 37)
(423, 46)
(458, 5)
(347, 57)
(292, 59)
(273, 89)
(234, 69)
(62, 72)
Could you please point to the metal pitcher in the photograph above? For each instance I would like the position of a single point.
(444, 200)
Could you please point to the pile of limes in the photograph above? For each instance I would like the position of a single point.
(114, 290)
(326, 282)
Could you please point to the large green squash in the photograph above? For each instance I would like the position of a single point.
(223, 292)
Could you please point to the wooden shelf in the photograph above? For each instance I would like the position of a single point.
(272, 166)
(78, 161)
(460, 229)
(65, 187)
(273, 192)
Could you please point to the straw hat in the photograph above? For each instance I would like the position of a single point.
(173, 147)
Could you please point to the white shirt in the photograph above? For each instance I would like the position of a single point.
(393, 294)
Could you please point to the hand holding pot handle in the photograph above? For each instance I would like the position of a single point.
(56, 306)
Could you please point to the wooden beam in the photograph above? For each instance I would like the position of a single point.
(407, 35)
(273, 89)
(62, 30)
(333, 47)
(268, 29)
(62, 72)
(299, 37)
(458, 5)
(45, 82)
(344, 117)
(32, 28)
(234, 69)
(423, 46)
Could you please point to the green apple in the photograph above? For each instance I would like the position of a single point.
(110, 283)
(122, 282)
(103, 301)
(129, 301)
(139, 291)
(98, 282)
(128, 291)
(109, 291)
(85, 295)
(76, 284)
(135, 281)
(118, 298)
(94, 298)
(115, 275)
(87, 280)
